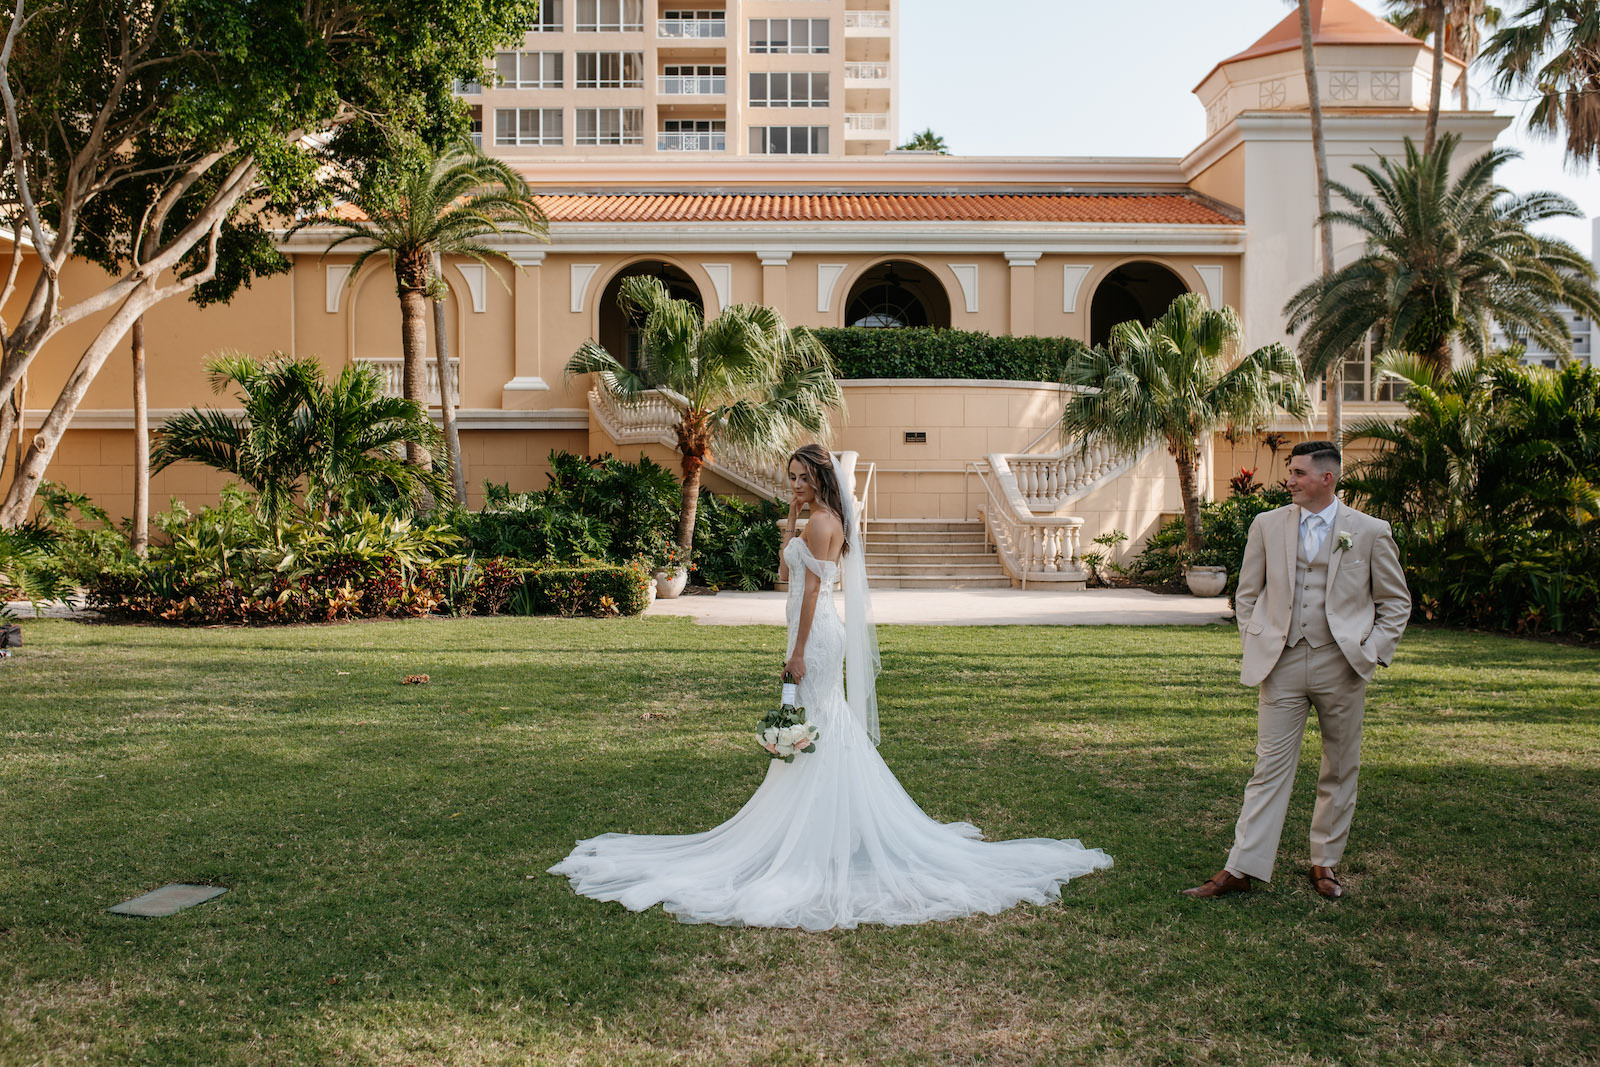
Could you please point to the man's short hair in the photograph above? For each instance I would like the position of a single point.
(1323, 454)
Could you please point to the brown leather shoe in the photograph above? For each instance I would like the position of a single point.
(1325, 882)
(1220, 885)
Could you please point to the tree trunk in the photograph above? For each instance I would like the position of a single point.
(447, 400)
(1436, 16)
(139, 534)
(689, 505)
(1189, 489)
(414, 375)
(1336, 402)
(1319, 143)
(11, 425)
(19, 496)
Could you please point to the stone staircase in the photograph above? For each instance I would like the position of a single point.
(931, 554)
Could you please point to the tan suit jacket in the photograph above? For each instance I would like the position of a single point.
(1367, 599)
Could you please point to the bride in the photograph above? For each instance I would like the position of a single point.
(830, 840)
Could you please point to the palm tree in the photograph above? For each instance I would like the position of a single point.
(1553, 48)
(341, 442)
(1445, 260)
(438, 206)
(744, 378)
(926, 141)
(1319, 151)
(1174, 383)
(1464, 23)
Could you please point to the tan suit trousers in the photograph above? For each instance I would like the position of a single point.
(1304, 678)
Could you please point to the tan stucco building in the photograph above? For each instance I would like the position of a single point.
(1055, 246)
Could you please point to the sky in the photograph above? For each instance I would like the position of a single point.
(1097, 78)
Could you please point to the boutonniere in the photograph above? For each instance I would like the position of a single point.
(1345, 540)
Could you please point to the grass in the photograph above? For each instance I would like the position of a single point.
(385, 848)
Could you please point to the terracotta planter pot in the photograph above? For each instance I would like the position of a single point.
(670, 583)
(1206, 581)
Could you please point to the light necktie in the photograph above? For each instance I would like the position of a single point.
(1311, 535)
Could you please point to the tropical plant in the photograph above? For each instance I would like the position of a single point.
(1173, 383)
(744, 379)
(1492, 483)
(1444, 261)
(433, 206)
(736, 542)
(926, 141)
(1226, 524)
(1552, 47)
(338, 441)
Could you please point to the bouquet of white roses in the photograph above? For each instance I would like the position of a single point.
(784, 732)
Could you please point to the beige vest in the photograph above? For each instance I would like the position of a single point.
(1308, 621)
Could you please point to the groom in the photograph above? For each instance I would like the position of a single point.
(1322, 601)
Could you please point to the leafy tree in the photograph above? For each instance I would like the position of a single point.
(435, 206)
(1175, 382)
(339, 441)
(1552, 47)
(1444, 261)
(161, 140)
(744, 378)
(926, 141)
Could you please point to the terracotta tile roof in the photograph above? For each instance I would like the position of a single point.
(1169, 208)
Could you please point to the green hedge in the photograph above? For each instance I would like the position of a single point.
(592, 588)
(859, 352)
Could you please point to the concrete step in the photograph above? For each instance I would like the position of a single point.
(975, 537)
(897, 581)
(923, 525)
(954, 570)
(884, 559)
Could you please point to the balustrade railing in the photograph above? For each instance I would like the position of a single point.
(866, 72)
(859, 122)
(692, 142)
(1032, 548)
(655, 416)
(392, 370)
(680, 29)
(1047, 482)
(692, 85)
(866, 20)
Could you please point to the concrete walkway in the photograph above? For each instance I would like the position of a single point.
(917, 607)
(972, 607)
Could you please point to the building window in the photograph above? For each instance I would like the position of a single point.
(548, 20)
(789, 140)
(692, 135)
(788, 36)
(691, 80)
(610, 70)
(699, 24)
(1358, 375)
(610, 125)
(600, 16)
(528, 70)
(789, 90)
(527, 125)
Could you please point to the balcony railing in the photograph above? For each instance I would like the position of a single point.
(866, 123)
(681, 29)
(866, 20)
(692, 85)
(392, 371)
(866, 72)
(477, 138)
(692, 142)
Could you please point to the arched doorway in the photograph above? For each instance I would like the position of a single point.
(619, 336)
(1141, 290)
(897, 293)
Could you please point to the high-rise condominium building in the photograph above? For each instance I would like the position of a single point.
(693, 79)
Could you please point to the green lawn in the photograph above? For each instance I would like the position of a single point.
(385, 848)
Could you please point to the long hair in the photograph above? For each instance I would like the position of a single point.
(819, 465)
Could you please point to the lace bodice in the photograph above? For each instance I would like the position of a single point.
(825, 642)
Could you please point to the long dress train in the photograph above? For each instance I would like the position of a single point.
(830, 840)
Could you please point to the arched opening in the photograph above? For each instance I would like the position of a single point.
(1140, 290)
(897, 293)
(619, 334)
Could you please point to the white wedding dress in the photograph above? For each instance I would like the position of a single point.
(830, 840)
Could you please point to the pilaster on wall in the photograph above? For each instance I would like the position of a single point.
(775, 278)
(522, 391)
(1022, 293)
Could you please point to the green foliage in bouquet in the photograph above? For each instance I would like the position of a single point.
(783, 732)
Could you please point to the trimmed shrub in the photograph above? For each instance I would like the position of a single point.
(592, 588)
(921, 352)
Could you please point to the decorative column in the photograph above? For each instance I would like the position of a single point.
(520, 393)
(1022, 318)
(775, 278)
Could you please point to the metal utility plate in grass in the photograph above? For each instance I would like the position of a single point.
(168, 900)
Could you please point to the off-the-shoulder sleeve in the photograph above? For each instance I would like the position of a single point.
(822, 568)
